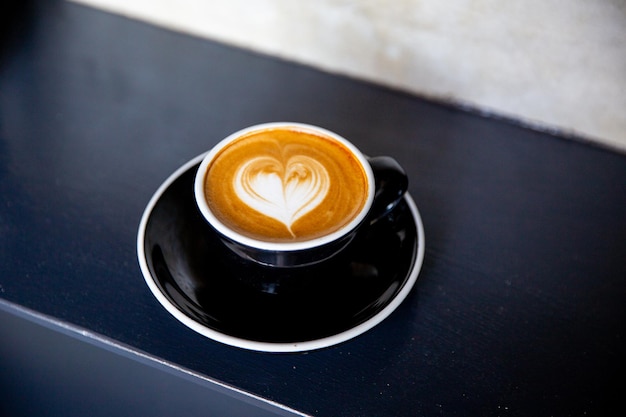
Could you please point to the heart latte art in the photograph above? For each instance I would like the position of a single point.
(282, 191)
(285, 185)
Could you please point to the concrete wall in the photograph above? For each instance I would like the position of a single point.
(559, 64)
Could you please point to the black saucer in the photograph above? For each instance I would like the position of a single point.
(211, 290)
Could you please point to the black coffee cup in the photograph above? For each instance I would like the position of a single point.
(385, 184)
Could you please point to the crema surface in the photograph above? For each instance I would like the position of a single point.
(285, 185)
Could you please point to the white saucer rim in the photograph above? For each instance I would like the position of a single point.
(272, 347)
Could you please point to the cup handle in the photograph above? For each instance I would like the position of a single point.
(391, 184)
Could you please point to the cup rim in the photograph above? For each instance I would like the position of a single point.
(224, 230)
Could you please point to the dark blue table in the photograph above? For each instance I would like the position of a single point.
(520, 308)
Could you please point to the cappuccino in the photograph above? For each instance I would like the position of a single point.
(285, 184)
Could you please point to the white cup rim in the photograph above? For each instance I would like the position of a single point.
(204, 208)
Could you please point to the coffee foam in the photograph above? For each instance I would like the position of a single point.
(285, 185)
(282, 190)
